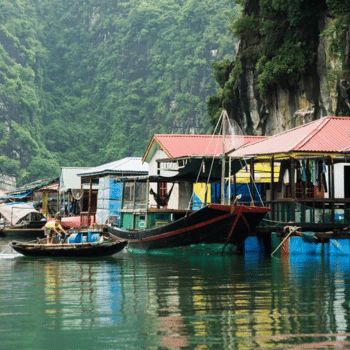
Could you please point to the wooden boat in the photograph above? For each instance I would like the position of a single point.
(109, 245)
(215, 223)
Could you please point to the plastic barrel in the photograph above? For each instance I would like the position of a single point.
(75, 238)
(93, 236)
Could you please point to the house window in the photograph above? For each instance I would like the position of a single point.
(128, 195)
(134, 195)
(140, 195)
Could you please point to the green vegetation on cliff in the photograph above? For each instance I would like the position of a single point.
(84, 83)
(285, 38)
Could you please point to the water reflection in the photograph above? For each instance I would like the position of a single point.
(82, 295)
(162, 302)
(245, 302)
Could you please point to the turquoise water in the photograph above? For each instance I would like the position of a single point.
(174, 301)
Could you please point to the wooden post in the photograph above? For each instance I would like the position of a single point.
(81, 208)
(89, 205)
(134, 196)
(58, 200)
(272, 187)
(292, 187)
(234, 186)
(222, 199)
(147, 199)
(252, 175)
(229, 181)
(68, 203)
(292, 175)
(333, 192)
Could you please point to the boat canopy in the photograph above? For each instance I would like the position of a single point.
(14, 212)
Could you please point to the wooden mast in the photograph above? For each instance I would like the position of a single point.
(224, 114)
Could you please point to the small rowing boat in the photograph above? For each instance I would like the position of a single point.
(99, 245)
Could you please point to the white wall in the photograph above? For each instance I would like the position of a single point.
(186, 190)
(338, 180)
(174, 201)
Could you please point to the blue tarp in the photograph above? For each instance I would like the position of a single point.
(241, 189)
(17, 196)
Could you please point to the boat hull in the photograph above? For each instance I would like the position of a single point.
(214, 223)
(69, 250)
(28, 233)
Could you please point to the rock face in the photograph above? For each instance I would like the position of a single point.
(286, 107)
(10, 146)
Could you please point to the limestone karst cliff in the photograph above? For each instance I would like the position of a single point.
(293, 62)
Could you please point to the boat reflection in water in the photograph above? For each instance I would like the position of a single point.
(142, 301)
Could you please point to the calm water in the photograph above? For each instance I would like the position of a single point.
(174, 302)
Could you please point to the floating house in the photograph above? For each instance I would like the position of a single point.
(166, 194)
(313, 188)
(165, 151)
(105, 192)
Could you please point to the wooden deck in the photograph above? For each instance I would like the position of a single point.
(329, 218)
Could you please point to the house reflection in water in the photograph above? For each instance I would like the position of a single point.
(82, 295)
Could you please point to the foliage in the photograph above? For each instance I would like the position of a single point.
(132, 69)
(8, 165)
(90, 82)
(338, 7)
(23, 135)
(247, 23)
(286, 33)
(40, 168)
(336, 33)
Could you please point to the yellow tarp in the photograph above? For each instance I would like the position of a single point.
(262, 173)
(199, 190)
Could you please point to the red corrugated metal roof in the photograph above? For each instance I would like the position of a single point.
(52, 187)
(176, 145)
(325, 135)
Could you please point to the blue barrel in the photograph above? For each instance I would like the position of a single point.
(93, 236)
(75, 238)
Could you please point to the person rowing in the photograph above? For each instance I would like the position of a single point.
(54, 229)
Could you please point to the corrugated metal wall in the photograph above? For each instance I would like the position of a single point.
(109, 200)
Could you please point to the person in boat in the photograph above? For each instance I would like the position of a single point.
(54, 229)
